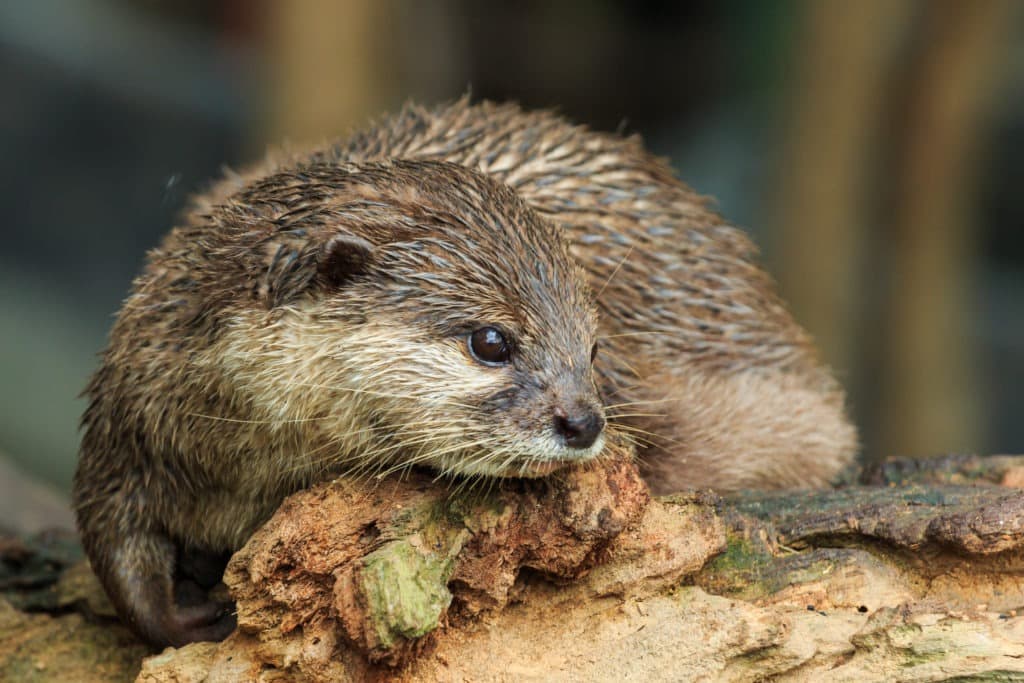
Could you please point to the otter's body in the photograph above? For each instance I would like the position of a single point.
(431, 292)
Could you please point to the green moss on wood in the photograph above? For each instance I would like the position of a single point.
(405, 582)
(739, 571)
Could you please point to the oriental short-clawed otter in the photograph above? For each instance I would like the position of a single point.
(472, 288)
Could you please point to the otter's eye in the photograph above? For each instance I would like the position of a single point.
(489, 346)
(593, 352)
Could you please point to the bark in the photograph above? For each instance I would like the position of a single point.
(916, 575)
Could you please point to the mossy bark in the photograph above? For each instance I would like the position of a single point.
(918, 576)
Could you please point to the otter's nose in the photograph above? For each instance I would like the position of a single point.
(579, 430)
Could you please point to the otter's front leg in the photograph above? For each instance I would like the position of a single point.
(141, 575)
(121, 506)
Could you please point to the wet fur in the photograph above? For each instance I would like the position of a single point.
(246, 365)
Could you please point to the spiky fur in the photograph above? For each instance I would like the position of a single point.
(235, 375)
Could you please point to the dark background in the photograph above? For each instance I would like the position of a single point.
(874, 150)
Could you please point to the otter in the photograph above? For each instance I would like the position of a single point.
(472, 288)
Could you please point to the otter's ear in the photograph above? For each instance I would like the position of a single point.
(341, 258)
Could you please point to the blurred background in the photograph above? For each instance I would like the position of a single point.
(872, 148)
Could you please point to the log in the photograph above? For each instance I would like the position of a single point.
(916, 574)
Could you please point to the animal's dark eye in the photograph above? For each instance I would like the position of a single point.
(593, 352)
(489, 346)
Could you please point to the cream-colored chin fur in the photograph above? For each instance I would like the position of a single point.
(534, 458)
(298, 370)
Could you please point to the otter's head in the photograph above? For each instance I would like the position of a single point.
(429, 316)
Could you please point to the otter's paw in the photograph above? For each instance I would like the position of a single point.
(187, 624)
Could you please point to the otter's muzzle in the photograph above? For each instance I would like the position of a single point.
(580, 428)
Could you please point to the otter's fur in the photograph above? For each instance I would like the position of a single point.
(311, 315)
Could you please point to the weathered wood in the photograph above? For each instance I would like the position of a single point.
(1005, 470)
(55, 622)
(582, 577)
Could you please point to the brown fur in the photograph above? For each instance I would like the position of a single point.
(310, 315)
